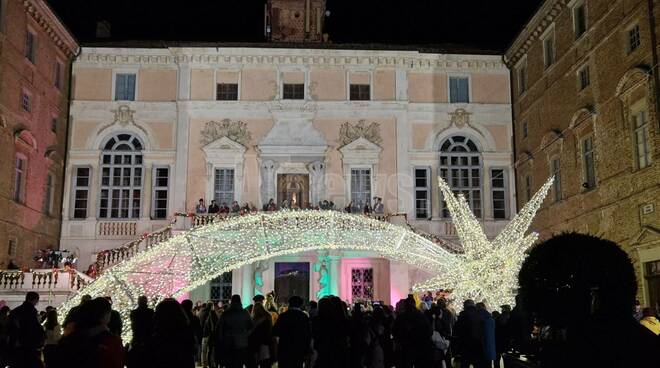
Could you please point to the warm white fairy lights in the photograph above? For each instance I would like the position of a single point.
(191, 258)
(486, 270)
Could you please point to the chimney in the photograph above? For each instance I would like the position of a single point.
(103, 29)
(294, 20)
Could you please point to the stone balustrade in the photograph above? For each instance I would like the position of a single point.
(117, 228)
(53, 285)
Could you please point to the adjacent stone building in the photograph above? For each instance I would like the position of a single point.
(585, 106)
(35, 57)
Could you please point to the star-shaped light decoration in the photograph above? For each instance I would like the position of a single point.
(486, 270)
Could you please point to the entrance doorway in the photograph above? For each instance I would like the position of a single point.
(291, 278)
(293, 190)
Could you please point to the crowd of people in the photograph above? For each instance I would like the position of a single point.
(561, 319)
(365, 207)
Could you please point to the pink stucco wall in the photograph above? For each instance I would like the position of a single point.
(490, 88)
(258, 84)
(92, 84)
(201, 84)
(427, 87)
(157, 84)
(384, 85)
(328, 84)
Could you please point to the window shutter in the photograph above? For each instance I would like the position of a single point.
(453, 90)
(463, 88)
(130, 93)
(120, 87)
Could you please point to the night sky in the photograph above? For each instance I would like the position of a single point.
(488, 25)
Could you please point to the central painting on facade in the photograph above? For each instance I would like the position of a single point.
(291, 278)
(293, 190)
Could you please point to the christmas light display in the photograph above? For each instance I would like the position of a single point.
(485, 270)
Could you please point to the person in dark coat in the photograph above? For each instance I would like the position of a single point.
(69, 320)
(583, 288)
(195, 324)
(116, 325)
(489, 334)
(502, 334)
(232, 332)
(295, 337)
(358, 337)
(172, 344)
(142, 320)
(26, 336)
(412, 336)
(330, 331)
(469, 335)
(91, 344)
(261, 337)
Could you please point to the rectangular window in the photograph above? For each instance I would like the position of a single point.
(362, 284)
(293, 91)
(26, 102)
(528, 188)
(522, 78)
(579, 20)
(633, 38)
(583, 76)
(221, 288)
(555, 166)
(12, 247)
(525, 129)
(20, 168)
(49, 194)
(549, 50)
(161, 185)
(422, 192)
(224, 186)
(30, 46)
(459, 90)
(588, 162)
(498, 188)
(227, 92)
(642, 143)
(57, 75)
(80, 192)
(125, 87)
(360, 92)
(360, 188)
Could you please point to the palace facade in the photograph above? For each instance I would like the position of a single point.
(585, 103)
(154, 130)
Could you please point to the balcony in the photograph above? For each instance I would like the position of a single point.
(53, 285)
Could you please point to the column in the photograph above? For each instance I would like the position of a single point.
(401, 82)
(180, 173)
(247, 284)
(145, 215)
(335, 275)
(268, 180)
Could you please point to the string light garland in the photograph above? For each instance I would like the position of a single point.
(486, 270)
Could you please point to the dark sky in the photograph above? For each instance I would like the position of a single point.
(486, 24)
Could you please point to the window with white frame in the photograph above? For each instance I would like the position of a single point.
(555, 168)
(549, 49)
(460, 167)
(360, 92)
(588, 163)
(579, 19)
(125, 87)
(31, 46)
(498, 185)
(528, 188)
(633, 38)
(522, 77)
(57, 75)
(459, 89)
(121, 178)
(227, 92)
(20, 174)
(293, 91)
(642, 142)
(26, 101)
(224, 186)
(49, 194)
(360, 188)
(422, 192)
(583, 77)
(81, 184)
(161, 177)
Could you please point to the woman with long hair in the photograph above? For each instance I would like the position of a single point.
(53, 335)
(173, 342)
(261, 337)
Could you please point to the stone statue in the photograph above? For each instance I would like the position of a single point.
(317, 185)
(324, 276)
(259, 268)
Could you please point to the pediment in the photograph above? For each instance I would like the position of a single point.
(648, 234)
(361, 144)
(223, 144)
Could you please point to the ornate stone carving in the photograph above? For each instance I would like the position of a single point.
(235, 130)
(350, 132)
(460, 117)
(123, 115)
(259, 269)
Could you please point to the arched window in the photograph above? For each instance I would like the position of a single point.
(121, 177)
(460, 167)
